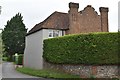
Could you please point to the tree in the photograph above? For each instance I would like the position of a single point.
(0, 44)
(13, 36)
(0, 9)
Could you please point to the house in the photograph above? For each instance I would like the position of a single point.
(60, 24)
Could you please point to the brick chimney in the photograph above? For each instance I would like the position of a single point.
(73, 6)
(73, 17)
(104, 18)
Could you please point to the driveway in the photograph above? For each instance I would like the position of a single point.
(8, 71)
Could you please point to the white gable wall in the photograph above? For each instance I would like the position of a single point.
(34, 49)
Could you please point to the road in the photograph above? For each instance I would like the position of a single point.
(8, 71)
(0, 71)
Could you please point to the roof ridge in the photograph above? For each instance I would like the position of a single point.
(60, 12)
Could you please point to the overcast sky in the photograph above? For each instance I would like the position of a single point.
(35, 11)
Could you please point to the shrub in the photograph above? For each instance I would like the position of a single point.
(92, 48)
(5, 58)
(13, 58)
(19, 59)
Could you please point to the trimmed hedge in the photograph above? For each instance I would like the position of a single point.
(92, 48)
(19, 59)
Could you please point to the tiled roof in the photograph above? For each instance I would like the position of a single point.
(56, 20)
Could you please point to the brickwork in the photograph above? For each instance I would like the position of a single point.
(87, 20)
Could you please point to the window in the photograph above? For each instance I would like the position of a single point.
(63, 33)
(50, 33)
(54, 33)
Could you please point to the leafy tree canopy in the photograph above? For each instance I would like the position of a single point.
(13, 35)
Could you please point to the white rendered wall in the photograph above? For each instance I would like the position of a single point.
(34, 49)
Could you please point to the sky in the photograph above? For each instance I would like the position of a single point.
(35, 11)
(119, 15)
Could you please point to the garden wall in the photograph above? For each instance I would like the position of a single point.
(86, 71)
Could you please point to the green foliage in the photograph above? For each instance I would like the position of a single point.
(4, 58)
(0, 44)
(13, 58)
(13, 36)
(46, 73)
(18, 59)
(92, 48)
(119, 44)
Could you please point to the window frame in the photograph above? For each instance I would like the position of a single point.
(54, 33)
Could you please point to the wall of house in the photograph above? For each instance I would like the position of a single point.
(34, 49)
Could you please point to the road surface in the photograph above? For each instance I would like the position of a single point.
(8, 71)
(0, 71)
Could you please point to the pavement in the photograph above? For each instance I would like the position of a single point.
(8, 72)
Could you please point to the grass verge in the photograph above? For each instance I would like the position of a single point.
(57, 75)
(46, 73)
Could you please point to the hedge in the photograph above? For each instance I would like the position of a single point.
(92, 48)
(19, 59)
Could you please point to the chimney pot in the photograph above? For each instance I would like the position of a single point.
(103, 9)
(73, 5)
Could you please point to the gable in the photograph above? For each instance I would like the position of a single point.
(89, 10)
(89, 20)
